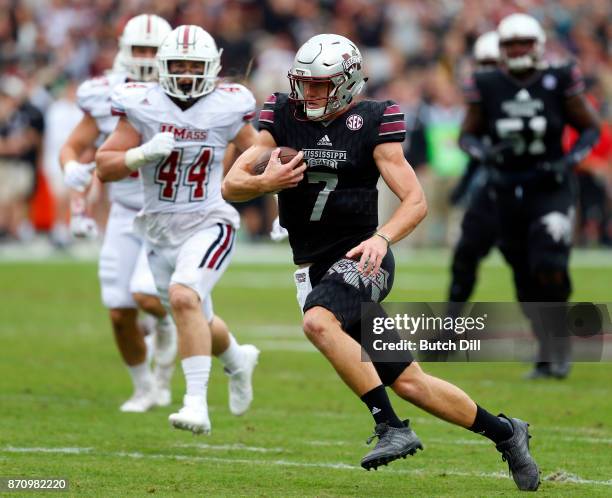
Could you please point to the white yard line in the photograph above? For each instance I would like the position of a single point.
(230, 447)
(559, 476)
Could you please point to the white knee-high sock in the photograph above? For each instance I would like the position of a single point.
(141, 375)
(197, 372)
(232, 356)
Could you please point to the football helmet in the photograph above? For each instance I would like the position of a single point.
(521, 27)
(486, 49)
(328, 58)
(189, 43)
(144, 30)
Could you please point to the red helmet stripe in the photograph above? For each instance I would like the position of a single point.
(148, 24)
(186, 38)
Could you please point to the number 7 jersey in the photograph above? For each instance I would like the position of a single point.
(189, 179)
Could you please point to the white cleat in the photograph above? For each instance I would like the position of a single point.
(164, 397)
(240, 382)
(193, 416)
(140, 402)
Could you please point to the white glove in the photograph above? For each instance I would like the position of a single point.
(278, 233)
(83, 227)
(157, 148)
(77, 175)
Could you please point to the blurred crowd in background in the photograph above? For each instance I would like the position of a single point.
(416, 52)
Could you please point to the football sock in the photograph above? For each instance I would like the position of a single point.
(142, 378)
(379, 405)
(197, 371)
(497, 429)
(232, 356)
(164, 322)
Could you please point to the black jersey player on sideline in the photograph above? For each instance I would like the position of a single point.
(479, 224)
(527, 103)
(330, 211)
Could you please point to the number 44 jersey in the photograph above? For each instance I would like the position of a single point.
(335, 206)
(528, 115)
(189, 179)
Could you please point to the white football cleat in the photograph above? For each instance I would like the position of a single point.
(240, 382)
(164, 397)
(193, 416)
(141, 401)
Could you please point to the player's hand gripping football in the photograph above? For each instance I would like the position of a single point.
(279, 176)
(77, 175)
(372, 251)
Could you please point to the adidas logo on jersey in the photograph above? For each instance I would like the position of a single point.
(376, 410)
(523, 95)
(325, 141)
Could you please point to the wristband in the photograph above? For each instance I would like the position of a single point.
(134, 158)
(383, 236)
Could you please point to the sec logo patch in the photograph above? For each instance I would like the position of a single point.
(354, 122)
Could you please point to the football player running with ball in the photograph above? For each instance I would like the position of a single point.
(527, 103)
(125, 277)
(330, 211)
(174, 133)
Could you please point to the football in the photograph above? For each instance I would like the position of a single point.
(286, 155)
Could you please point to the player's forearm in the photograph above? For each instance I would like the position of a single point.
(586, 141)
(473, 146)
(110, 165)
(406, 217)
(240, 186)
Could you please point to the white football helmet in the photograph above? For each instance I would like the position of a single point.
(144, 30)
(486, 49)
(327, 58)
(521, 27)
(189, 43)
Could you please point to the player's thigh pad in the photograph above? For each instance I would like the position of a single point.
(142, 279)
(203, 258)
(118, 258)
(343, 288)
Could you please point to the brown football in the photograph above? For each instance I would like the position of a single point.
(286, 154)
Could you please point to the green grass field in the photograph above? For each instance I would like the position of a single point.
(61, 382)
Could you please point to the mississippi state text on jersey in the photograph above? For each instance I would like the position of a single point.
(94, 98)
(529, 114)
(189, 179)
(335, 206)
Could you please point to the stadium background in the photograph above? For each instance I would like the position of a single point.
(416, 52)
(61, 379)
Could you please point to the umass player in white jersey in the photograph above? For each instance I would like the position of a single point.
(329, 207)
(175, 134)
(125, 278)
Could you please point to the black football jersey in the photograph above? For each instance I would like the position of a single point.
(525, 118)
(335, 206)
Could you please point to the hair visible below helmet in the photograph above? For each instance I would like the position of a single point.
(189, 43)
(144, 30)
(327, 58)
(486, 49)
(521, 27)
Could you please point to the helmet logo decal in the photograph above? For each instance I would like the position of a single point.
(354, 122)
(350, 62)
